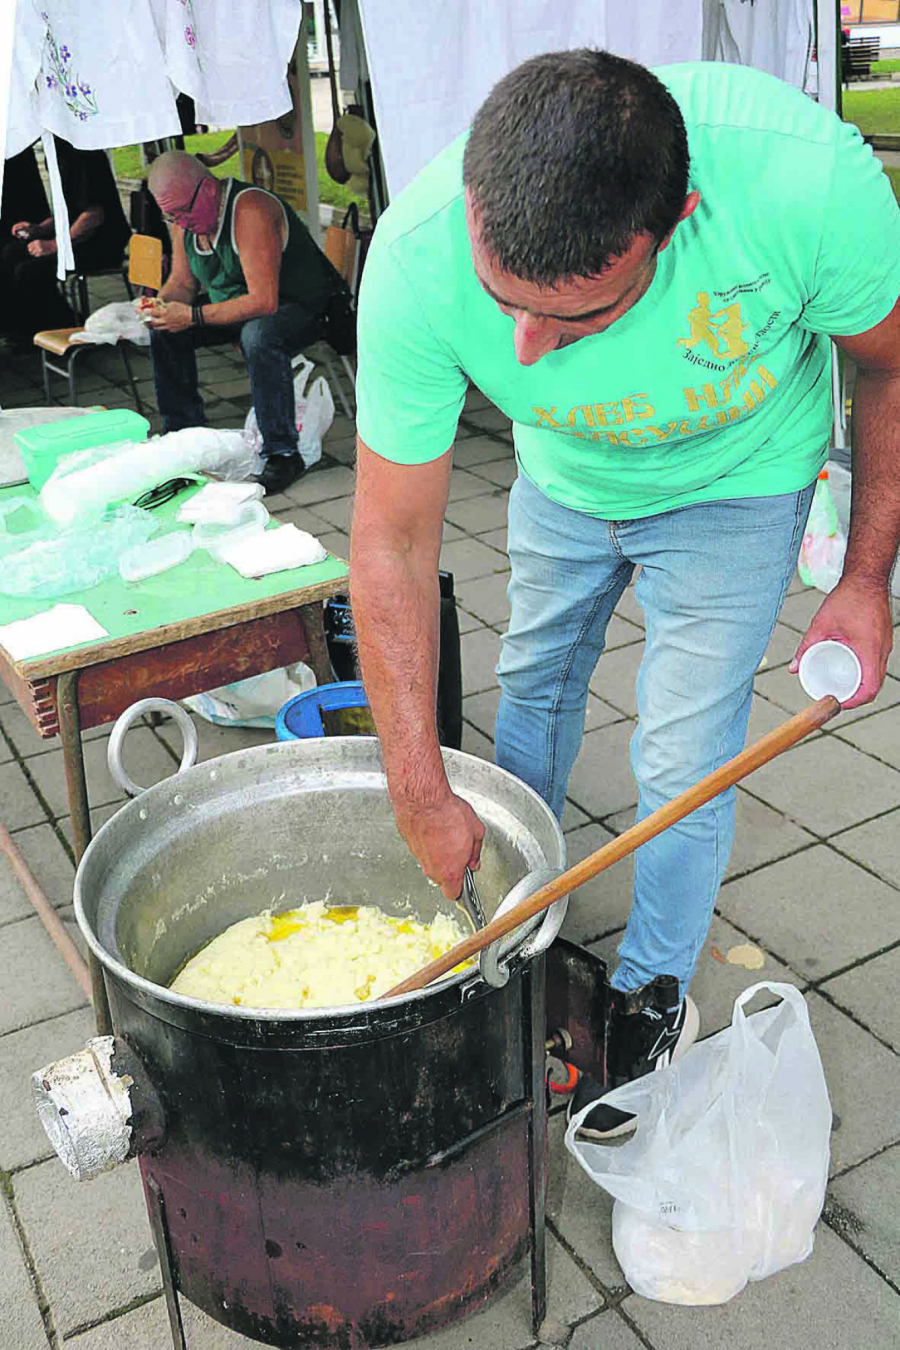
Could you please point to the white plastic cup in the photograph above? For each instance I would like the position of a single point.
(830, 668)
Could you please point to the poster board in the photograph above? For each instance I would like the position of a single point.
(279, 155)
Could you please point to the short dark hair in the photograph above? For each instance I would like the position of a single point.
(570, 157)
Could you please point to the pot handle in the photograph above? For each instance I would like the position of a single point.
(131, 715)
(492, 963)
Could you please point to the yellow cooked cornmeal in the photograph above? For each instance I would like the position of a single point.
(314, 957)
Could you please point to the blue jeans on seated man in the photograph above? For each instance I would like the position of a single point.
(267, 343)
(712, 581)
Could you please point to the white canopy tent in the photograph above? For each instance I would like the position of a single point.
(105, 73)
(443, 60)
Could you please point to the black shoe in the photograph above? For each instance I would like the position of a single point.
(280, 471)
(649, 1028)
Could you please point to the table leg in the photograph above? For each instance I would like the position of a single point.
(318, 658)
(79, 810)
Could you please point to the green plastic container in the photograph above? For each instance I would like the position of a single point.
(42, 447)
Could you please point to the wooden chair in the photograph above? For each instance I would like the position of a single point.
(145, 272)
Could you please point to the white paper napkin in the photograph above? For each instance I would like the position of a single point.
(257, 555)
(56, 628)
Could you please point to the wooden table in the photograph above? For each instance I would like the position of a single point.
(193, 628)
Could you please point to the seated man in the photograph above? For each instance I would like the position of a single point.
(31, 298)
(268, 284)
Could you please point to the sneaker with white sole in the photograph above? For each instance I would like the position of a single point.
(649, 1028)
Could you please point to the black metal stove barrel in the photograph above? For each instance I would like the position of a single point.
(356, 1192)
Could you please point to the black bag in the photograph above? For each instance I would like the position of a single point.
(340, 635)
(339, 322)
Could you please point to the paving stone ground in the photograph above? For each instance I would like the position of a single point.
(814, 881)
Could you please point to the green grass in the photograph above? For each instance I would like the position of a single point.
(885, 67)
(894, 176)
(873, 110)
(128, 164)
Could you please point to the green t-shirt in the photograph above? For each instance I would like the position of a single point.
(716, 383)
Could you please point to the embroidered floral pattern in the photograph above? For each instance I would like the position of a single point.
(76, 93)
(190, 29)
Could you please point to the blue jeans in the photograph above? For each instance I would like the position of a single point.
(267, 344)
(713, 578)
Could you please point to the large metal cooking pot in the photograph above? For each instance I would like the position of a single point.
(344, 1177)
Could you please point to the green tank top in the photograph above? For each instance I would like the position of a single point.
(306, 275)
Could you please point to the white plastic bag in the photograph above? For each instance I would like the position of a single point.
(253, 702)
(724, 1179)
(840, 481)
(314, 419)
(313, 414)
(821, 560)
(112, 322)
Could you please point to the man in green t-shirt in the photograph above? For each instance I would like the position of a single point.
(643, 271)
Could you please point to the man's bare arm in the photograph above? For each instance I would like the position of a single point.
(395, 547)
(181, 284)
(858, 610)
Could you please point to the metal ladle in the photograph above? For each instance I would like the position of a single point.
(471, 900)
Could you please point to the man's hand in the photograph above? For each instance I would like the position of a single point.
(857, 613)
(169, 315)
(445, 839)
(42, 248)
(22, 229)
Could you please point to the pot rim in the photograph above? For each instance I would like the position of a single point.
(230, 1013)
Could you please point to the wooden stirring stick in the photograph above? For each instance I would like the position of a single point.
(766, 748)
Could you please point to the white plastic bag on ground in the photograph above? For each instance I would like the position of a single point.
(111, 322)
(314, 419)
(724, 1179)
(313, 413)
(821, 559)
(253, 702)
(840, 481)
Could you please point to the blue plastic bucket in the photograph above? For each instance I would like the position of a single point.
(301, 717)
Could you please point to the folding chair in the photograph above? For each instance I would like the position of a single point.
(144, 271)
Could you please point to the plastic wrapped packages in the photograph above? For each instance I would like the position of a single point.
(220, 503)
(250, 518)
(724, 1179)
(86, 482)
(47, 561)
(153, 556)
